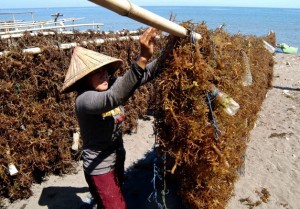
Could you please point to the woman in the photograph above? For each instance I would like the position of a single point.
(100, 115)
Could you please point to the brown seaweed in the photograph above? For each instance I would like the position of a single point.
(205, 164)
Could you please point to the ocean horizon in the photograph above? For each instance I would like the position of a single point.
(258, 21)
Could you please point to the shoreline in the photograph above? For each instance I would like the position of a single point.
(213, 15)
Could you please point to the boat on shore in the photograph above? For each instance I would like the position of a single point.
(287, 49)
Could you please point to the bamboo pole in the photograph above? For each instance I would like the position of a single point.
(18, 35)
(126, 8)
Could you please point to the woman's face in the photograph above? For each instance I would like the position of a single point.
(99, 80)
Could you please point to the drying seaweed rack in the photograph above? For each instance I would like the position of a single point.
(15, 27)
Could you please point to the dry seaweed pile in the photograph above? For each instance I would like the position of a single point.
(204, 144)
(37, 122)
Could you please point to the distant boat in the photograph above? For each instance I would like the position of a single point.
(287, 49)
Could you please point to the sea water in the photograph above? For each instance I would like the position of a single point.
(248, 21)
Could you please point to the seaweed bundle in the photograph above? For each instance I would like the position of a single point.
(204, 145)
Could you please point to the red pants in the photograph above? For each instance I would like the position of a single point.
(106, 191)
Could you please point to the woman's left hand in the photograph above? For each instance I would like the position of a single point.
(147, 45)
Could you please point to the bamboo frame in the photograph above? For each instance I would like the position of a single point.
(11, 25)
(53, 27)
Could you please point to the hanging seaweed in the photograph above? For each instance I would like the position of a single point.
(205, 142)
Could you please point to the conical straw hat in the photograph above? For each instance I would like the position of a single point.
(85, 61)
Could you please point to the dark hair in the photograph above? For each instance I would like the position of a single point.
(82, 85)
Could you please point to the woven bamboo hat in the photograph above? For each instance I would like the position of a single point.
(85, 61)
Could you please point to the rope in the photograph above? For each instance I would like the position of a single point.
(192, 38)
(193, 42)
(156, 172)
(154, 196)
(164, 192)
(130, 9)
(210, 97)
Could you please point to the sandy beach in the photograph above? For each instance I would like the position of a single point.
(272, 156)
(272, 160)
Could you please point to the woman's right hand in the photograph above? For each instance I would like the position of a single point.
(147, 45)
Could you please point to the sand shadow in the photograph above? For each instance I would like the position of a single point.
(286, 88)
(139, 188)
(62, 197)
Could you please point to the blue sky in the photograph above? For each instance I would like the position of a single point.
(81, 3)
